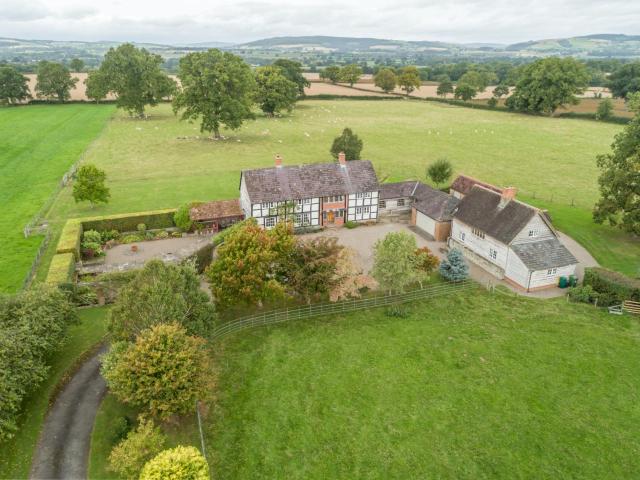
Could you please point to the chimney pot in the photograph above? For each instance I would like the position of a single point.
(342, 158)
(509, 193)
(278, 161)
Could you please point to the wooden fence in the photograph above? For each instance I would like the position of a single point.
(321, 309)
(36, 261)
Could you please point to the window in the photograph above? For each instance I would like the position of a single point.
(298, 202)
(533, 233)
(493, 253)
(367, 194)
(461, 236)
(265, 205)
(365, 209)
(334, 198)
(358, 210)
(359, 195)
(306, 201)
(478, 233)
(401, 202)
(552, 271)
(270, 221)
(382, 204)
(340, 213)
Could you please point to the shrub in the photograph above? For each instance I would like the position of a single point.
(583, 294)
(69, 241)
(612, 287)
(132, 238)
(454, 268)
(80, 295)
(492, 102)
(176, 234)
(351, 224)
(182, 219)
(165, 371)
(141, 228)
(426, 261)
(91, 236)
(108, 235)
(61, 269)
(33, 324)
(180, 463)
(91, 249)
(220, 237)
(395, 262)
(203, 257)
(129, 456)
(397, 311)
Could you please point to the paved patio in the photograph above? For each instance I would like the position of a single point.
(363, 238)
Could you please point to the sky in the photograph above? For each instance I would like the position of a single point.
(235, 21)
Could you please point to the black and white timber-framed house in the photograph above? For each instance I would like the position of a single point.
(318, 194)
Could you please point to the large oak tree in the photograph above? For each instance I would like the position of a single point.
(14, 86)
(54, 81)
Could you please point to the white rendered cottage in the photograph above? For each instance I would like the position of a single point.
(510, 239)
(318, 194)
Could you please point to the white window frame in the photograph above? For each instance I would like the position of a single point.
(533, 233)
(400, 202)
(366, 210)
(306, 201)
(462, 235)
(367, 194)
(552, 271)
(270, 221)
(493, 253)
(382, 204)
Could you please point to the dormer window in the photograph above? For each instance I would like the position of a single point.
(478, 233)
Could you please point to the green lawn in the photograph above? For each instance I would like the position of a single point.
(15, 459)
(38, 144)
(149, 166)
(473, 386)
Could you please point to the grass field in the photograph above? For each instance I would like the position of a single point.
(149, 166)
(15, 457)
(475, 386)
(38, 144)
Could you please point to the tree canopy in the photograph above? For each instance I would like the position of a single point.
(179, 463)
(164, 371)
(216, 88)
(54, 81)
(409, 79)
(134, 76)
(161, 293)
(292, 70)
(142, 444)
(454, 268)
(97, 85)
(274, 91)
(331, 73)
(349, 143)
(625, 80)
(14, 87)
(395, 262)
(440, 171)
(76, 65)
(465, 92)
(89, 185)
(385, 79)
(350, 74)
(547, 84)
(444, 88)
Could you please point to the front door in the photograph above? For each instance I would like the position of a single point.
(330, 216)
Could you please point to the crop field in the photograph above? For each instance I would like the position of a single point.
(162, 162)
(38, 144)
(473, 386)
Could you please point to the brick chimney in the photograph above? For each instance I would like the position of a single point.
(342, 159)
(278, 161)
(509, 193)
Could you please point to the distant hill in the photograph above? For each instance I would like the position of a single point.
(599, 45)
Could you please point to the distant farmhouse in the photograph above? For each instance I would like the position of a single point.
(508, 238)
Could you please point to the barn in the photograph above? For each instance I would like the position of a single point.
(214, 216)
(432, 211)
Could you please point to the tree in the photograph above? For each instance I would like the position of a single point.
(444, 88)
(292, 70)
(331, 73)
(142, 444)
(625, 80)
(89, 185)
(479, 80)
(161, 293)
(14, 87)
(547, 84)
(164, 372)
(619, 181)
(409, 79)
(385, 79)
(350, 74)
(274, 92)
(349, 143)
(426, 261)
(54, 81)
(440, 171)
(349, 279)
(249, 263)
(454, 268)
(33, 325)
(182, 217)
(464, 92)
(501, 90)
(605, 109)
(314, 272)
(97, 85)
(76, 65)
(180, 463)
(395, 263)
(217, 88)
(135, 77)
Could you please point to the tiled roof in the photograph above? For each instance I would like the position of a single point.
(464, 184)
(214, 210)
(398, 189)
(544, 254)
(484, 210)
(311, 180)
(434, 203)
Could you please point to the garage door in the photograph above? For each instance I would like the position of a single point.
(425, 223)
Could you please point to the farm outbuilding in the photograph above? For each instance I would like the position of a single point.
(214, 216)
(432, 211)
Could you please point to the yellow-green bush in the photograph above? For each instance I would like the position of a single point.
(62, 268)
(70, 238)
(180, 463)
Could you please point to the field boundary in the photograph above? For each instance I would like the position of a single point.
(36, 261)
(320, 309)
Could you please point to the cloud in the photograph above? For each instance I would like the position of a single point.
(19, 11)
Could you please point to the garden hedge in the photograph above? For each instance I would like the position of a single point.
(62, 268)
(70, 238)
(612, 287)
(128, 222)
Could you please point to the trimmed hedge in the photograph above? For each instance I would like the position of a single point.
(612, 287)
(62, 268)
(70, 238)
(128, 222)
